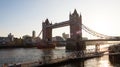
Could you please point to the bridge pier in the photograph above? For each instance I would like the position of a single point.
(46, 41)
(73, 45)
(97, 48)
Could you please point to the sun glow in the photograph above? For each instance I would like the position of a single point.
(104, 63)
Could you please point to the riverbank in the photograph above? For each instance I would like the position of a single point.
(12, 56)
(114, 59)
(20, 46)
(67, 60)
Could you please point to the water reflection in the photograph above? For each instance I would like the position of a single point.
(33, 54)
(74, 64)
(19, 55)
(47, 55)
(77, 64)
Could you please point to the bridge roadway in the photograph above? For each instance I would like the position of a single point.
(98, 41)
(92, 40)
(102, 40)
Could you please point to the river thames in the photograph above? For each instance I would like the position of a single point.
(20, 55)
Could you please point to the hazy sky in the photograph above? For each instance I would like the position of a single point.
(21, 17)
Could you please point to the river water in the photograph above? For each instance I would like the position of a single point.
(20, 55)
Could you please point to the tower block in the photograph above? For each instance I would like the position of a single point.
(75, 41)
(46, 41)
(47, 31)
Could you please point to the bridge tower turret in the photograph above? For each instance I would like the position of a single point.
(75, 42)
(47, 31)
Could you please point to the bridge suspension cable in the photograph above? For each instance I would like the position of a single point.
(94, 33)
(40, 33)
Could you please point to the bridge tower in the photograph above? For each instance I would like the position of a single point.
(75, 26)
(75, 42)
(47, 31)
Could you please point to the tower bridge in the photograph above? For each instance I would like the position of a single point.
(75, 41)
(75, 23)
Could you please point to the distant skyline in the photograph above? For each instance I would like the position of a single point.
(21, 17)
